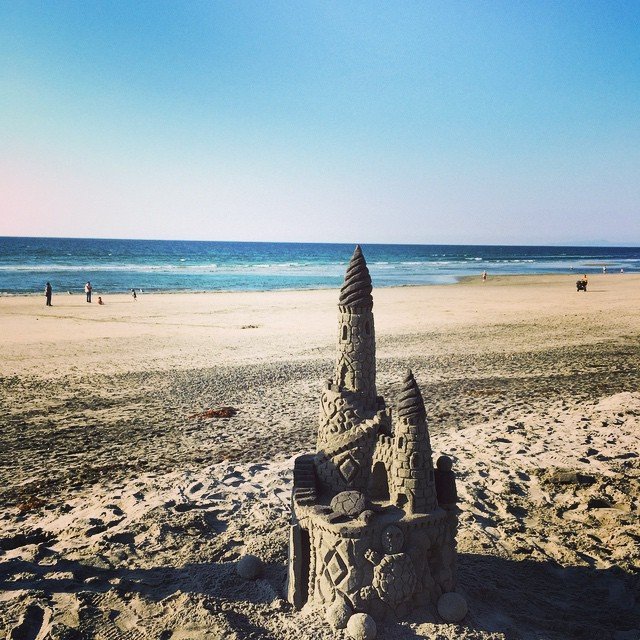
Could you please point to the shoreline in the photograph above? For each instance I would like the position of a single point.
(503, 279)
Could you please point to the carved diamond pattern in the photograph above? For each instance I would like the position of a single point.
(337, 569)
(349, 468)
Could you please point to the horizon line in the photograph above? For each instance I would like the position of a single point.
(593, 244)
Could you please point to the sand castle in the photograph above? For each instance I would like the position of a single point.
(374, 524)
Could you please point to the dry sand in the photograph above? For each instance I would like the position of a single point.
(122, 513)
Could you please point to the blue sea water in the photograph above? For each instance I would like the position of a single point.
(26, 264)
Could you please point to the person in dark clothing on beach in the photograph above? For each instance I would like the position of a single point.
(88, 289)
(47, 292)
(133, 293)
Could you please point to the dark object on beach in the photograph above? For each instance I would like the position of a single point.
(48, 291)
(581, 285)
(31, 504)
(222, 412)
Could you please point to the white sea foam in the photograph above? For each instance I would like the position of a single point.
(214, 266)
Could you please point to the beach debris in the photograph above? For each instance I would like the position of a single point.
(249, 326)
(362, 626)
(374, 523)
(249, 567)
(31, 504)
(452, 607)
(221, 412)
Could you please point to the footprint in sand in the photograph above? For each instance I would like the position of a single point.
(32, 625)
(37, 536)
(196, 487)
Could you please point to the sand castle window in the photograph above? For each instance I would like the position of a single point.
(379, 483)
(401, 442)
(344, 331)
(343, 374)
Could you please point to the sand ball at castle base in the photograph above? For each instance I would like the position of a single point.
(250, 567)
(361, 626)
(452, 607)
(338, 614)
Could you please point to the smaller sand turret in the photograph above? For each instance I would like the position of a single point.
(412, 468)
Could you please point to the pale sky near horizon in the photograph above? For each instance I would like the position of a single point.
(335, 121)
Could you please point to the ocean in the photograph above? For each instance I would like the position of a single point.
(112, 266)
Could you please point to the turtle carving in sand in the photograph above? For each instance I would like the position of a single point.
(394, 579)
(348, 503)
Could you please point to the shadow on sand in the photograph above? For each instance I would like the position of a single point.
(529, 599)
(522, 600)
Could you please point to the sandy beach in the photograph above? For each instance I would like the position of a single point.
(125, 506)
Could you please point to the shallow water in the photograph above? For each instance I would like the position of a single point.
(26, 264)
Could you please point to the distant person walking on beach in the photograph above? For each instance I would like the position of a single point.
(133, 293)
(47, 292)
(484, 276)
(604, 269)
(88, 289)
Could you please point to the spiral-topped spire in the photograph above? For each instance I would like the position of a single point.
(410, 402)
(356, 290)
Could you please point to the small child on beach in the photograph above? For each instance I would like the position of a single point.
(100, 300)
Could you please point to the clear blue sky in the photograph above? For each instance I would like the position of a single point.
(427, 122)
